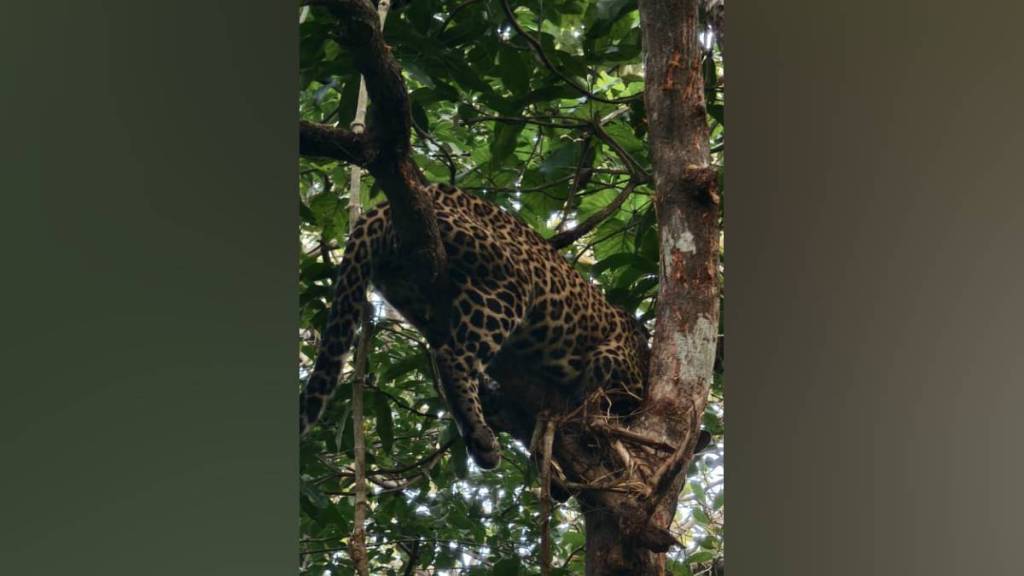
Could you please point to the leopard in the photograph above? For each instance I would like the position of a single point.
(514, 304)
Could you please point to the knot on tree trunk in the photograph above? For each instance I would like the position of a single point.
(598, 456)
(702, 183)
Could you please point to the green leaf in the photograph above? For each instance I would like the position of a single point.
(621, 260)
(419, 115)
(466, 77)
(506, 136)
(559, 91)
(717, 111)
(313, 494)
(701, 517)
(418, 73)
(605, 13)
(306, 214)
(719, 500)
(515, 68)
(396, 369)
(313, 270)
(698, 490)
(713, 423)
(561, 162)
(700, 557)
(348, 101)
(343, 427)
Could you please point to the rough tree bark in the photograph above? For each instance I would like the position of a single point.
(688, 306)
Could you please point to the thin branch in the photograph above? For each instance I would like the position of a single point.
(575, 551)
(538, 120)
(448, 160)
(405, 406)
(414, 558)
(563, 239)
(433, 456)
(357, 543)
(539, 188)
(631, 164)
(453, 13)
(584, 172)
(321, 140)
(538, 50)
(597, 241)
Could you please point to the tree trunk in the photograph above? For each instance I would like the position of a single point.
(606, 552)
(686, 328)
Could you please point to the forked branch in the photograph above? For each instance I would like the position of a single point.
(385, 148)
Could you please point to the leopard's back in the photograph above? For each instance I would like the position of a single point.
(515, 301)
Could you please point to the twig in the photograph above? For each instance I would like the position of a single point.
(428, 459)
(632, 165)
(414, 557)
(563, 239)
(575, 551)
(452, 14)
(448, 160)
(538, 120)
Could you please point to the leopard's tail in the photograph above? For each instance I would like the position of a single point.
(343, 320)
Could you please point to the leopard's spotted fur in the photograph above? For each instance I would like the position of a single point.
(516, 301)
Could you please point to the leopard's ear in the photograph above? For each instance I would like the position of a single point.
(703, 440)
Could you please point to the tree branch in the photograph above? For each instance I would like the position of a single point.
(537, 120)
(388, 147)
(563, 239)
(428, 459)
(337, 143)
(414, 558)
(360, 32)
(634, 167)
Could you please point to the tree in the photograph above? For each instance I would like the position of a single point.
(544, 110)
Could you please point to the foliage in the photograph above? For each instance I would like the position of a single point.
(542, 160)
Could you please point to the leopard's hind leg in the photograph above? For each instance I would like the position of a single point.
(482, 320)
